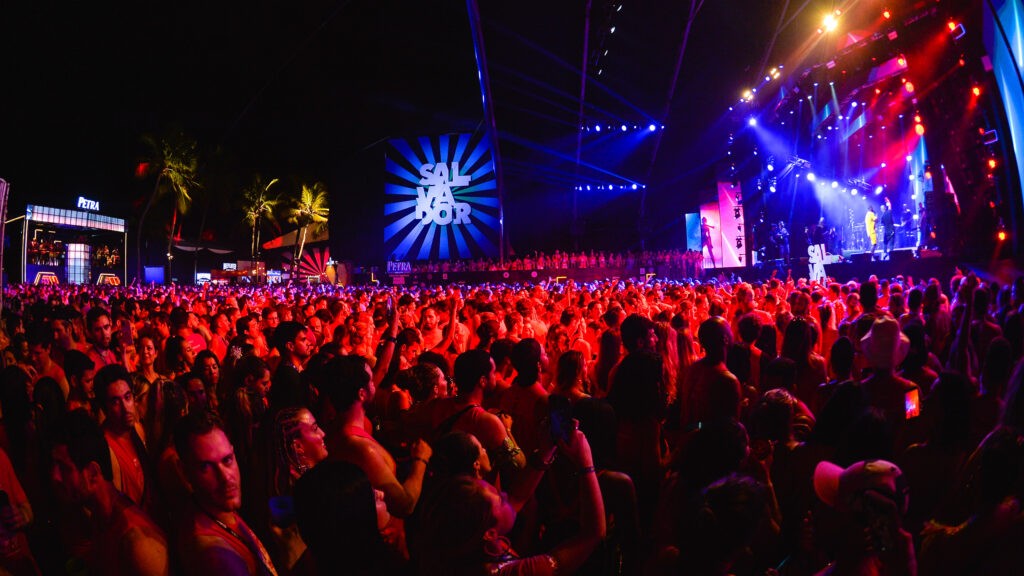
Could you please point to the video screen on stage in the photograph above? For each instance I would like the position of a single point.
(441, 198)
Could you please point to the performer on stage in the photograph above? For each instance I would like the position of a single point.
(923, 226)
(781, 238)
(888, 229)
(869, 226)
(705, 239)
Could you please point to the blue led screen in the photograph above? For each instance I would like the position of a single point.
(441, 198)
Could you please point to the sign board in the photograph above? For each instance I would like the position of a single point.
(441, 198)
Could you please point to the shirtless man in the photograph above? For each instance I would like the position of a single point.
(347, 383)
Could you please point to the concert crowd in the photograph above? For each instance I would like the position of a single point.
(616, 427)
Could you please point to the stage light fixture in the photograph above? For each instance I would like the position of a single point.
(951, 25)
(835, 184)
(624, 128)
(811, 177)
(902, 61)
(976, 91)
(886, 14)
(588, 187)
(853, 191)
(909, 87)
(612, 31)
(919, 129)
(853, 105)
(911, 177)
(917, 118)
(752, 122)
(597, 128)
(878, 190)
(1001, 235)
(652, 127)
(831, 21)
(634, 186)
(992, 163)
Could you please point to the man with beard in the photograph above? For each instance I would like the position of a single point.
(213, 538)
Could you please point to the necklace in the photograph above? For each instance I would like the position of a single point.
(252, 546)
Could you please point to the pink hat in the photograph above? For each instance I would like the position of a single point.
(835, 485)
(885, 345)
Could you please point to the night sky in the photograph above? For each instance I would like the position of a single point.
(310, 91)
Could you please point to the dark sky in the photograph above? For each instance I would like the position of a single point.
(307, 91)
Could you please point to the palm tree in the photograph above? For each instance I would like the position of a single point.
(310, 210)
(175, 161)
(257, 205)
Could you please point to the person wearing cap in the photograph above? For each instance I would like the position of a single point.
(884, 347)
(865, 503)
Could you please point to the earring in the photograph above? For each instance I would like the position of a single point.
(497, 547)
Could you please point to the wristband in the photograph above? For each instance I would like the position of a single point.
(391, 339)
(418, 459)
(586, 470)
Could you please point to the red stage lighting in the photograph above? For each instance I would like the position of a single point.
(141, 169)
(992, 163)
(976, 91)
(909, 86)
(951, 25)
(991, 204)
(1001, 235)
(886, 14)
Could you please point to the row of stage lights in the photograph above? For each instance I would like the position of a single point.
(587, 187)
(622, 128)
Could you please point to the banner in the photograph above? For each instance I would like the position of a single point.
(711, 235)
(734, 241)
(441, 198)
(693, 231)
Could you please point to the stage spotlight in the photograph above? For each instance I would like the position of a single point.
(910, 158)
(878, 190)
(902, 61)
(634, 186)
(911, 177)
(853, 191)
(883, 164)
(917, 118)
(976, 91)
(831, 21)
(597, 128)
(951, 25)
(652, 127)
(588, 187)
(992, 163)
(886, 14)
(853, 105)
(811, 177)
(612, 31)
(624, 128)
(752, 122)
(909, 87)
(835, 184)
(771, 189)
(919, 129)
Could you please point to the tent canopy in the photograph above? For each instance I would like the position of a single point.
(291, 238)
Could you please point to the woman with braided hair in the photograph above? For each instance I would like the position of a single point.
(298, 445)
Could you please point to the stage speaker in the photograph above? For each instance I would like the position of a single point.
(901, 257)
(861, 259)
